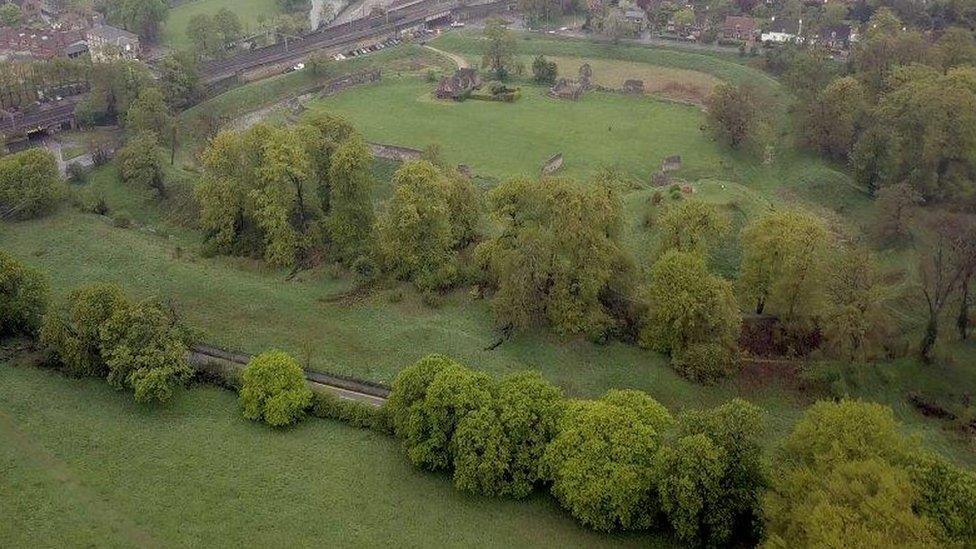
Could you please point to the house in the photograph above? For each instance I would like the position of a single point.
(636, 17)
(837, 37)
(458, 85)
(106, 42)
(782, 31)
(739, 27)
(27, 43)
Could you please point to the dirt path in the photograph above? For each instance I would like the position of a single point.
(461, 62)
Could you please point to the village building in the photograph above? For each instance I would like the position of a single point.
(106, 42)
(739, 27)
(837, 37)
(459, 85)
(782, 31)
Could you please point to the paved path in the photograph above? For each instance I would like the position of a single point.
(461, 62)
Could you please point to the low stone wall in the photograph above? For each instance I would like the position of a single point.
(337, 85)
(394, 152)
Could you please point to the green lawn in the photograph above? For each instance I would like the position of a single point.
(248, 11)
(84, 466)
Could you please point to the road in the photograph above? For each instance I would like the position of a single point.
(366, 392)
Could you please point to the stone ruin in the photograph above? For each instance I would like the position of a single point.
(567, 88)
(663, 176)
(634, 87)
(552, 164)
(458, 85)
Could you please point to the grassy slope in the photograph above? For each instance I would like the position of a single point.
(89, 467)
(248, 11)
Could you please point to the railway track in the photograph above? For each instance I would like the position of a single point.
(404, 16)
(202, 355)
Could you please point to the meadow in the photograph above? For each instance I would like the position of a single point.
(91, 468)
(248, 11)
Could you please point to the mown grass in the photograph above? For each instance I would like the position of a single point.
(248, 11)
(85, 466)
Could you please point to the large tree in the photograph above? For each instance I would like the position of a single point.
(142, 17)
(140, 163)
(499, 55)
(832, 119)
(350, 217)
(30, 184)
(557, 257)
(693, 226)
(784, 263)
(735, 116)
(180, 80)
(24, 295)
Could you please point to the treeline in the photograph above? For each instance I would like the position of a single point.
(98, 331)
(845, 476)
(902, 111)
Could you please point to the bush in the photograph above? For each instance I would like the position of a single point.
(410, 389)
(274, 389)
(544, 71)
(144, 347)
(358, 414)
(71, 332)
(121, 220)
(705, 362)
(24, 296)
(30, 184)
(77, 173)
(601, 462)
(497, 450)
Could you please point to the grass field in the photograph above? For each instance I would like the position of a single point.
(83, 466)
(248, 11)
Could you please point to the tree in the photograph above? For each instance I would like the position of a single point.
(350, 218)
(418, 233)
(692, 226)
(543, 70)
(228, 27)
(498, 448)
(855, 317)
(499, 56)
(687, 305)
(180, 80)
(453, 393)
(557, 255)
(848, 476)
(887, 44)
(30, 184)
(139, 16)
(72, 331)
(735, 115)
(714, 497)
(834, 117)
(201, 32)
(274, 390)
(409, 390)
(149, 113)
(941, 274)
(925, 135)
(964, 262)
(956, 47)
(140, 164)
(601, 462)
(10, 15)
(783, 263)
(24, 296)
(896, 205)
(115, 85)
(144, 346)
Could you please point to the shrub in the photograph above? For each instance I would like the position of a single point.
(358, 414)
(947, 496)
(705, 362)
(30, 184)
(690, 475)
(144, 347)
(601, 462)
(544, 71)
(274, 389)
(71, 332)
(121, 220)
(77, 173)
(24, 296)
(497, 450)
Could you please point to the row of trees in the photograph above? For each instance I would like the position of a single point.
(213, 35)
(620, 462)
(97, 331)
